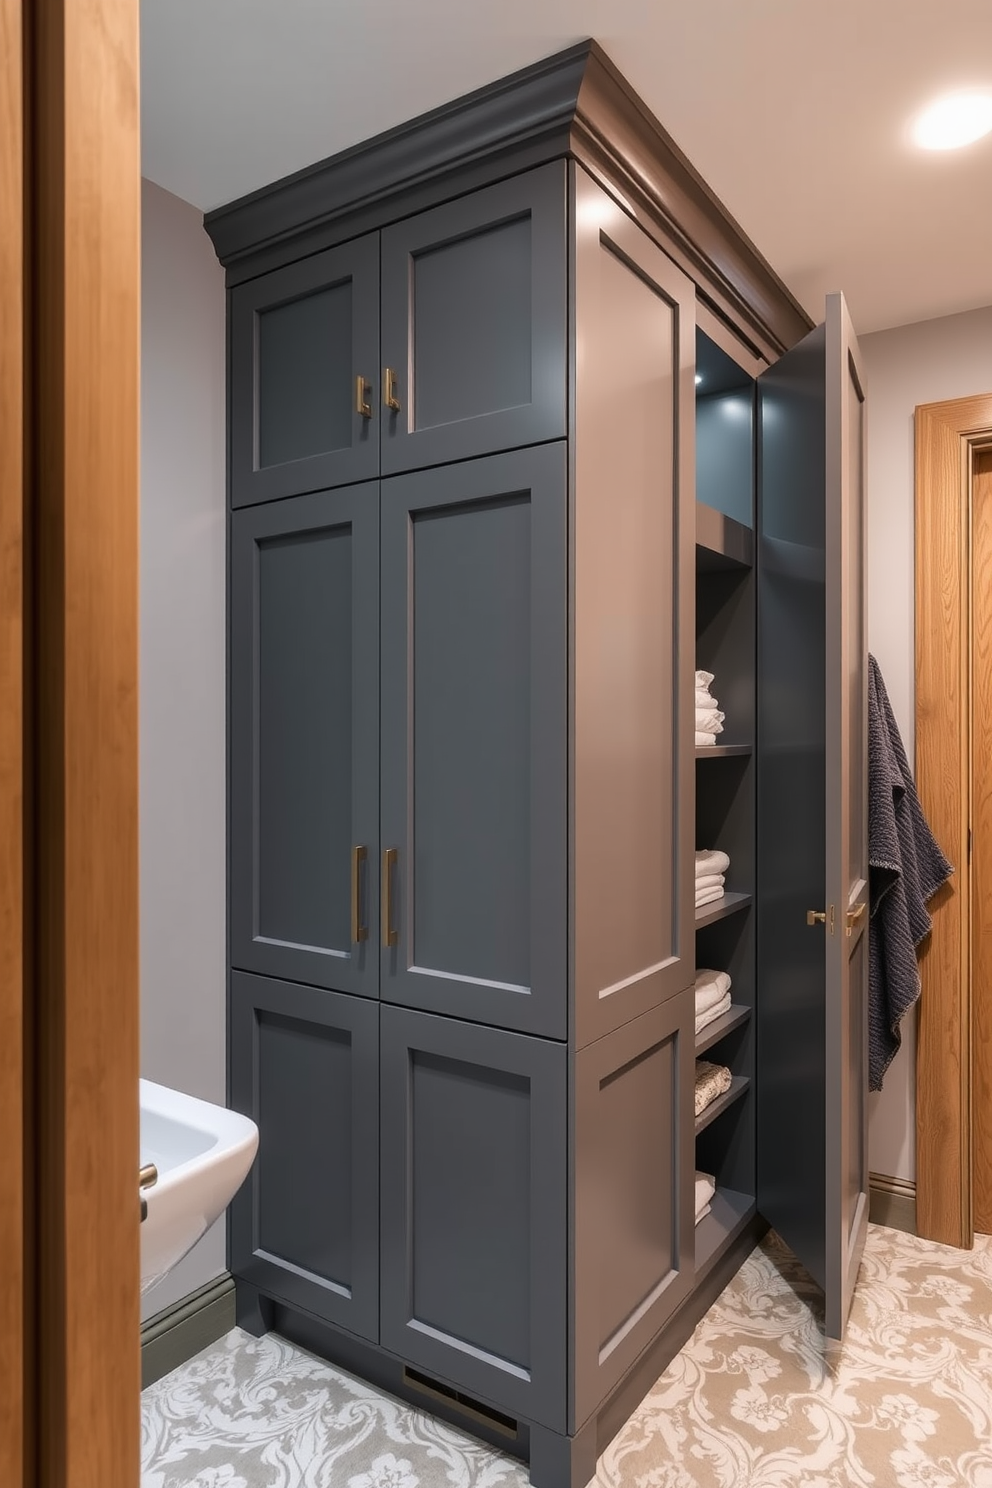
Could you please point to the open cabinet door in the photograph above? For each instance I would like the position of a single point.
(812, 808)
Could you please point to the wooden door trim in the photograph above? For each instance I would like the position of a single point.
(946, 436)
(84, 169)
(15, 1300)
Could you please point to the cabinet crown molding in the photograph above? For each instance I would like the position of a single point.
(574, 104)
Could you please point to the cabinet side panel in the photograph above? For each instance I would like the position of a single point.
(632, 469)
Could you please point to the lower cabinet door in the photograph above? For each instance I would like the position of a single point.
(305, 1225)
(474, 1222)
(634, 1192)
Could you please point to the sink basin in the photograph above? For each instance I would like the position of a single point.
(202, 1153)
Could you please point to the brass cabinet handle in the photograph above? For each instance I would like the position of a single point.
(854, 915)
(821, 917)
(389, 397)
(359, 932)
(363, 397)
(390, 935)
(147, 1176)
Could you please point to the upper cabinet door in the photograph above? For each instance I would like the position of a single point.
(812, 806)
(634, 625)
(474, 740)
(474, 324)
(304, 739)
(301, 337)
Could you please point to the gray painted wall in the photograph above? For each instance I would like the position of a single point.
(182, 749)
(924, 363)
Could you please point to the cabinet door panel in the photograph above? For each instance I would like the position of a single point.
(473, 1208)
(812, 808)
(305, 1227)
(304, 739)
(634, 1136)
(633, 785)
(474, 739)
(299, 338)
(474, 323)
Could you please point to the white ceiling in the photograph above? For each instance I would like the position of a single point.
(794, 111)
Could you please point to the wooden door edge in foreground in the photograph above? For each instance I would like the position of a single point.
(14, 1303)
(85, 182)
(945, 436)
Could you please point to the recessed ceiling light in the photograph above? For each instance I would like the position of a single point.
(956, 120)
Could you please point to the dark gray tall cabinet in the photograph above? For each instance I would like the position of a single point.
(470, 582)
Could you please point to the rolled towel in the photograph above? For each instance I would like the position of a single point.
(711, 860)
(704, 739)
(710, 719)
(711, 1081)
(710, 881)
(705, 1189)
(705, 699)
(703, 679)
(707, 896)
(717, 1010)
(710, 987)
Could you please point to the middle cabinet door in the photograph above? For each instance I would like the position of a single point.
(305, 739)
(473, 802)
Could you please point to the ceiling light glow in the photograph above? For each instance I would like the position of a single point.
(699, 378)
(959, 119)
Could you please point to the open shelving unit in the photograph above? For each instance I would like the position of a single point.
(725, 781)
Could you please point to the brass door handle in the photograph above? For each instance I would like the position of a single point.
(854, 915)
(390, 935)
(363, 397)
(821, 917)
(147, 1176)
(359, 931)
(389, 397)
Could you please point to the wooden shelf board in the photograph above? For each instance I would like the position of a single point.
(720, 1027)
(722, 751)
(716, 1108)
(718, 909)
(730, 1211)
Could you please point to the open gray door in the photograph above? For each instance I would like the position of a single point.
(812, 808)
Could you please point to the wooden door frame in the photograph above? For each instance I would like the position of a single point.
(15, 1291)
(79, 567)
(947, 436)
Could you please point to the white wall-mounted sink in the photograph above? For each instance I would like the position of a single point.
(202, 1153)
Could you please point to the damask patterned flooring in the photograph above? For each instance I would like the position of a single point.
(751, 1401)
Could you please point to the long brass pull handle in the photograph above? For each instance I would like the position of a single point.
(854, 915)
(359, 932)
(363, 397)
(389, 390)
(147, 1176)
(390, 935)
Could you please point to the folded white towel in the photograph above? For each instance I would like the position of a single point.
(705, 699)
(710, 987)
(711, 860)
(705, 1189)
(702, 1213)
(708, 717)
(707, 896)
(703, 679)
(704, 739)
(704, 1019)
(710, 881)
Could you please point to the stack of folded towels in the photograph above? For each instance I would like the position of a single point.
(709, 719)
(712, 997)
(711, 1080)
(711, 875)
(705, 1189)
